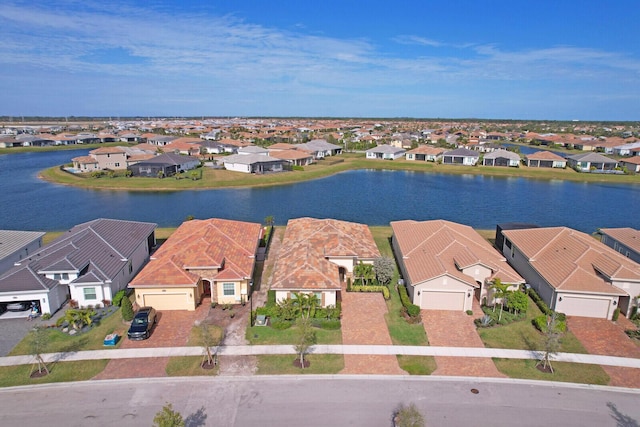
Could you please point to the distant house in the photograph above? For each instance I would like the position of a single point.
(460, 156)
(89, 264)
(623, 240)
(425, 153)
(591, 162)
(545, 159)
(632, 164)
(167, 164)
(572, 272)
(385, 152)
(253, 163)
(293, 157)
(446, 265)
(320, 148)
(203, 258)
(501, 157)
(317, 256)
(111, 158)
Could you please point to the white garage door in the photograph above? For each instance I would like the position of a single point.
(442, 300)
(166, 301)
(586, 307)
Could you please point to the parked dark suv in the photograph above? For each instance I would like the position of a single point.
(142, 323)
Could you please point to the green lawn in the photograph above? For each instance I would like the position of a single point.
(188, 366)
(522, 335)
(58, 341)
(11, 376)
(266, 335)
(417, 365)
(283, 364)
(564, 372)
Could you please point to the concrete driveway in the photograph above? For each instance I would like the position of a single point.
(601, 336)
(14, 328)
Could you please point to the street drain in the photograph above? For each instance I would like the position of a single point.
(474, 391)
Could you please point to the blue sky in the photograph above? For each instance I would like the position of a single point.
(555, 60)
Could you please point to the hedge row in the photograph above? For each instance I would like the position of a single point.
(540, 323)
(366, 288)
(544, 308)
(412, 309)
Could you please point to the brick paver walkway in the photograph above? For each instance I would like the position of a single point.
(363, 323)
(601, 336)
(450, 328)
(171, 330)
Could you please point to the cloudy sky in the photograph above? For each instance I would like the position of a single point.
(555, 59)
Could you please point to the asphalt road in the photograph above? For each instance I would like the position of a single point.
(318, 401)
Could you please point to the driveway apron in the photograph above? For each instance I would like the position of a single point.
(449, 328)
(171, 330)
(601, 336)
(363, 323)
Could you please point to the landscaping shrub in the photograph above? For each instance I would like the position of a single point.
(469, 312)
(412, 309)
(372, 288)
(348, 284)
(271, 298)
(539, 302)
(117, 298)
(540, 323)
(127, 309)
(280, 325)
(330, 325)
(616, 314)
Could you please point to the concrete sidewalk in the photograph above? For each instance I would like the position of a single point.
(254, 350)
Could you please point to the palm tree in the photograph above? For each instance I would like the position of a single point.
(500, 291)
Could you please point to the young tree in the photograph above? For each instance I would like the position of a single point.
(38, 344)
(550, 343)
(518, 302)
(208, 341)
(306, 303)
(384, 269)
(408, 416)
(500, 292)
(127, 309)
(268, 221)
(167, 417)
(306, 338)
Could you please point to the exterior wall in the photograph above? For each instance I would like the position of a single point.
(633, 289)
(217, 292)
(619, 247)
(77, 293)
(86, 167)
(480, 274)
(329, 297)
(111, 160)
(7, 262)
(237, 167)
(445, 283)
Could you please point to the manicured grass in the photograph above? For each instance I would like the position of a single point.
(522, 335)
(381, 236)
(16, 150)
(323, 364)
(195, 336)
(58, 341)
(563, 371)
(218, 178)
(417, 365)
(188, 366)
(266, 335)
(11, 376)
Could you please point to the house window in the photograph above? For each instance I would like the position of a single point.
(507, 243)
(65, 276)
(229, 289)
(90, 294)
(57, 276)
(117, 165)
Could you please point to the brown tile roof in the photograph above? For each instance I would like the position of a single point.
(302, 260)
(217, 244)
(425, 149)
(627, 236)
(573, 261)
(291, 155)
(432, 249)
(84, 160)
(545, 155)
(108, 150)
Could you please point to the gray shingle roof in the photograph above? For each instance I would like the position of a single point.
(12, 240)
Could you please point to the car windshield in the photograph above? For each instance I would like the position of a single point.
(139, 321)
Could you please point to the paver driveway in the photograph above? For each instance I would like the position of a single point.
(450, 328)
(601, 336)
(172, 330)
(363, 323)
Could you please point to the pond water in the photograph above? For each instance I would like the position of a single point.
(366, 196)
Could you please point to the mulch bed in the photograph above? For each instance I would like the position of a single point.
(297, 363)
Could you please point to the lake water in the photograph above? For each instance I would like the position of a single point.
(366, 196)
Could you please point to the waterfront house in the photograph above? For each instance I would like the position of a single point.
(572, 272)
(385, 152)
(501, 157)
(164, 165)
(16, 245)
(624, 240)
(460, 156)
(202, 258)
(320, 148)
(318, 255)
(425, 153)
(445, 265)
(545, 159)
(253, 163)
(89, 264)
(592, 162)
(632, 164)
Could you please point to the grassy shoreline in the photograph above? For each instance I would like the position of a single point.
(218, 179)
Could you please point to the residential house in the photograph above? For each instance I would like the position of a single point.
(253, 163)
(460, 156)
(317, 256)
(89, 264)
(629, 149)
(320, 148)
(632, 164)
(592, 162)
(160, 140)
(425, 153)
(446, 265)
(16, 245)
(501, 157)
(624, 240)
(203, 258)
(111, 158)
(293, 157)
(164, 165)
(545, 159)
(385, 152)
(572, 272)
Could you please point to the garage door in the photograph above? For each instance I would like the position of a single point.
(167, 301)
(442, 300)
(586, 307)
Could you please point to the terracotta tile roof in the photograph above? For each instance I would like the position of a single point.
(431, 249)
(291, 155)
(545, 155)
(425, 149)
(302, 260)
(108, 150)
(84, 160)
(627, 236)
(571, 260)
(225, 246)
